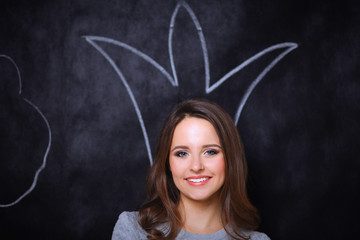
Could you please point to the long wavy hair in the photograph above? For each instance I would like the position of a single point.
(159, 215)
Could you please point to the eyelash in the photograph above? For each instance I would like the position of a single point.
(210, 152)
(180, 154)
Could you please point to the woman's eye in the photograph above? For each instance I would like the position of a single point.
(211, 152)
(181, 154)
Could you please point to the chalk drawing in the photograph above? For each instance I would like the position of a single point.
(91, 40)
(43, 165)
(287, 46)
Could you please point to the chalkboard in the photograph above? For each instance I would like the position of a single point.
(86, 85)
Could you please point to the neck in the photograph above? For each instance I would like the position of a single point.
(201, 217)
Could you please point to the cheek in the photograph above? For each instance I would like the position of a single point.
(175, 168)
(219, 167)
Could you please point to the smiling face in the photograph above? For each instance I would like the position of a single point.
(196, 160)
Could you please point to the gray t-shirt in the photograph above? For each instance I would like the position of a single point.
(128, 228)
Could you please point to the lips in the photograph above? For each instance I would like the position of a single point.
(197, 180)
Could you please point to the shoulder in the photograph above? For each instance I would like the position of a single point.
(253, 235)
(127, 227)
(221, 235)
(128, 217)
(258, 236)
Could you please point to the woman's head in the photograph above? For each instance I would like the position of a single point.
(163, 195)
(197, 161)
(232, 149)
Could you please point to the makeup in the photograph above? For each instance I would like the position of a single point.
(198, 180)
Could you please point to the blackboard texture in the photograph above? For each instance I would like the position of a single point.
(86, 85)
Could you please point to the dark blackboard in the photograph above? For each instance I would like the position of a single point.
(77, 76)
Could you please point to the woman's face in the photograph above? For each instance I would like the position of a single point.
(196, 159)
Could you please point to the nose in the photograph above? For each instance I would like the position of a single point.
(197, 164)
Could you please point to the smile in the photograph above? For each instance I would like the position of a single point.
(198, 180)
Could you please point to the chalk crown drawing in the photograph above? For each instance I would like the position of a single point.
(172, 78)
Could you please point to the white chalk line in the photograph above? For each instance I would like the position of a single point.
(201, 37)
(174, 79)
(91, 39)
(208, 89)
(133, 50)
(43, 165)
(290, 47)
(17, 69)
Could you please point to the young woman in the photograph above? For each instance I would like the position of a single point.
(196, 187)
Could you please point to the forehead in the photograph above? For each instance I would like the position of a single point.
(194, 129)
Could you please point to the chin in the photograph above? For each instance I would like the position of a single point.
(201, 197)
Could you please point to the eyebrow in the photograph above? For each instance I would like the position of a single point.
(204, 146)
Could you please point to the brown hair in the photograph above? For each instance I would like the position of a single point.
(160, 208)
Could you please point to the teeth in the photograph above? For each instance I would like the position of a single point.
(197, 179)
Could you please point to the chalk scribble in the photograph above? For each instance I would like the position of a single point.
(43, 165)
(287, 46)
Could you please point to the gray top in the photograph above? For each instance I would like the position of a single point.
(128, 228)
